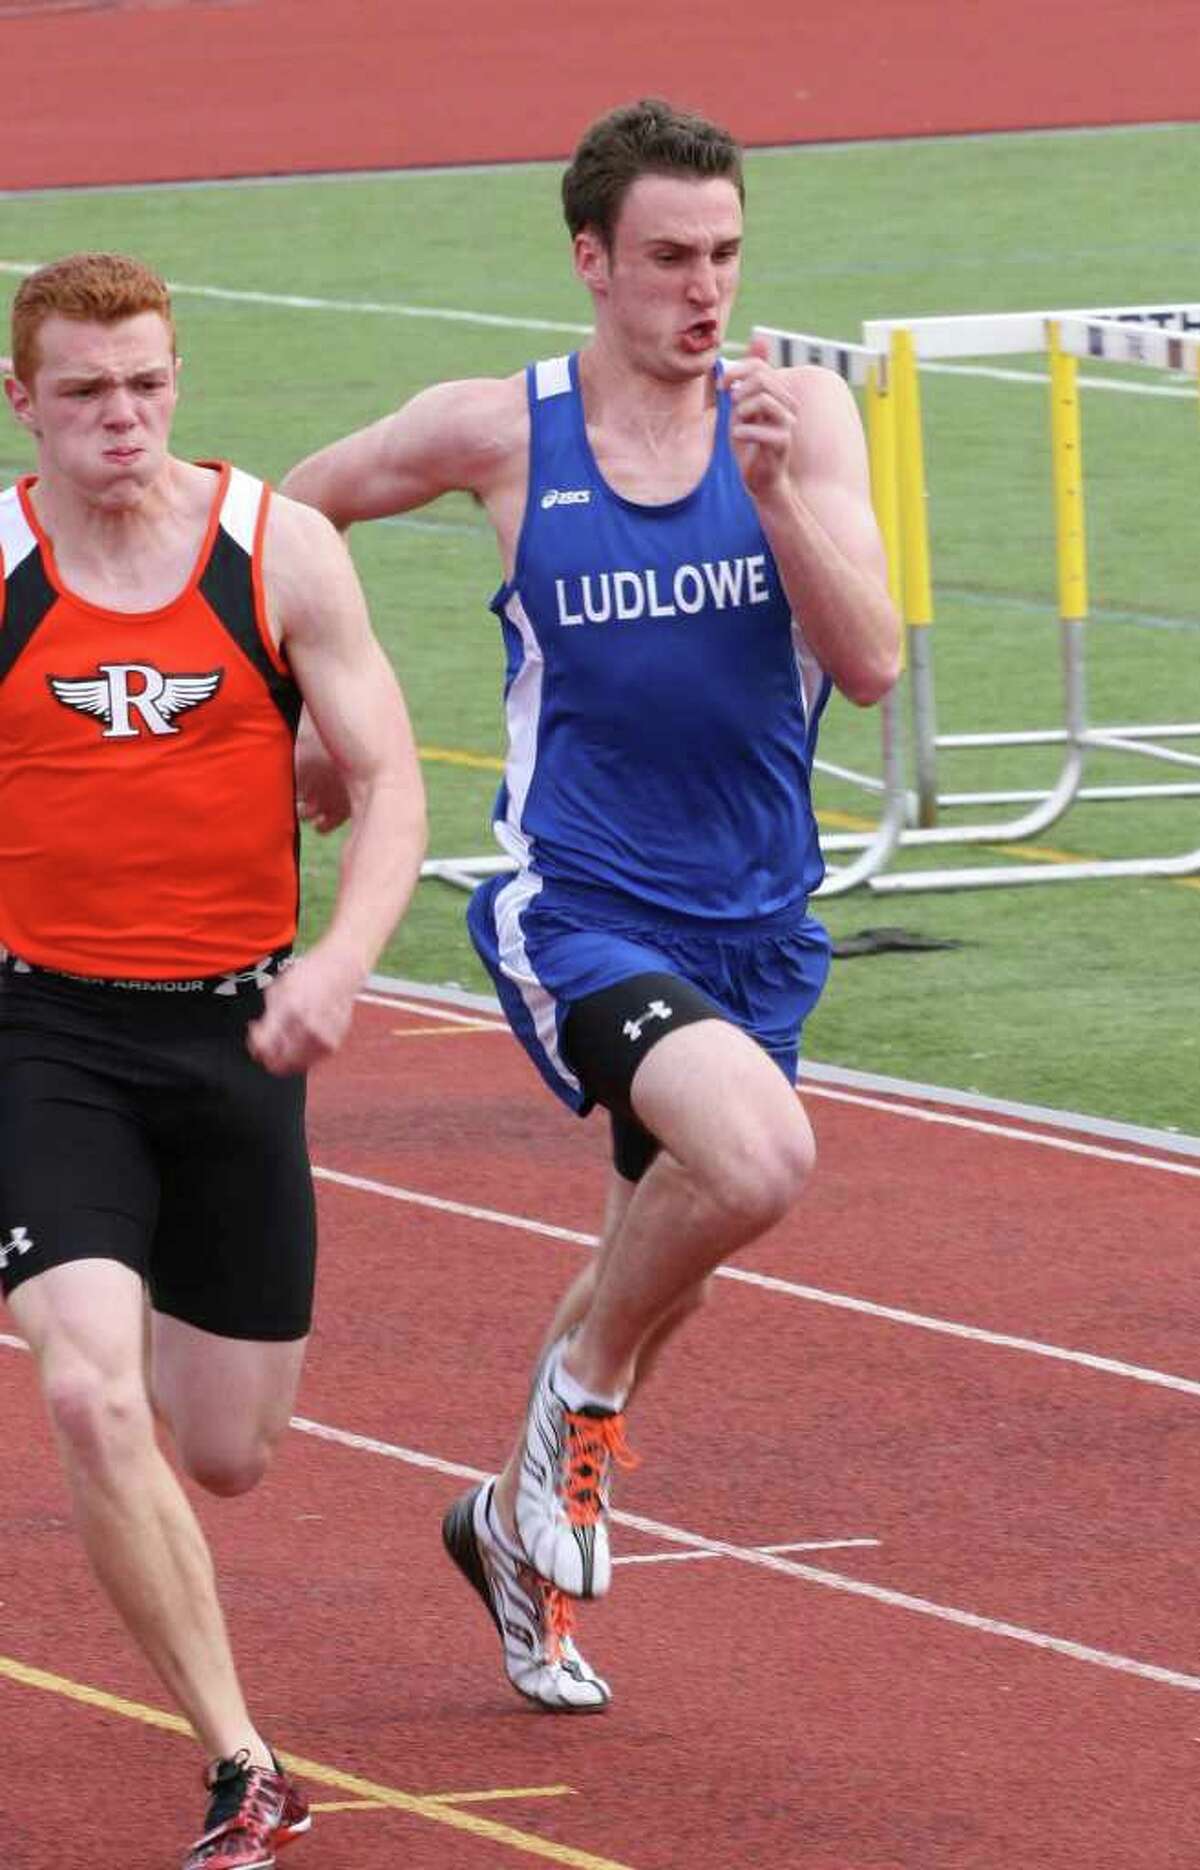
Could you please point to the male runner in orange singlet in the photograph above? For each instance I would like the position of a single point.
(161, 624)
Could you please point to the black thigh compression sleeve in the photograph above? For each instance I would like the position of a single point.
(606, 1036)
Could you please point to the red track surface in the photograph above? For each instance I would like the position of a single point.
(126, 90)
(762, 1717)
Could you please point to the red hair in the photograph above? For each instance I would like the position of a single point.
(97, 288)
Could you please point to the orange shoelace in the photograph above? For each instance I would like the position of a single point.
(593, 1441)
(560, 1618)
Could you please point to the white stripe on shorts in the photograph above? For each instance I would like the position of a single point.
(509, 905)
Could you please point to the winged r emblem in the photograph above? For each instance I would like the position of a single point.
(121, 690)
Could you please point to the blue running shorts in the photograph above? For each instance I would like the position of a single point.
(548, 945)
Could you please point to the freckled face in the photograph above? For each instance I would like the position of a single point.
(665, 289)
(100, 403)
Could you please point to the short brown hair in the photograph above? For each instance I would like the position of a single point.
(99, 288)
(646, 138)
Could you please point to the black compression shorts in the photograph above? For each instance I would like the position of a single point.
(135, 1126)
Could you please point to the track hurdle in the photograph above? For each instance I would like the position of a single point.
(1163, 338)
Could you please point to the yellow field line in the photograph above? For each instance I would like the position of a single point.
(451, 1798)
(447, 1032)
(437, 1808)
(1034, 853)
(454, 756)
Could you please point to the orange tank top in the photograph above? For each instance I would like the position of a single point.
(147, 803)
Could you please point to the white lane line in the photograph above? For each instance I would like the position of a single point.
(687, 1558)
(429, 1011)
(771, 1560)
(981, 1128)
(814, 1295)
(447, 314)
(463, 1208)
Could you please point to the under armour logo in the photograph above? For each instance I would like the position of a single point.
(157, 698)
(657, 1009)
(260, 976)
(18, 1242)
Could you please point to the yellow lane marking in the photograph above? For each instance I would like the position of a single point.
(845, 821)
(450, 1798)
(436, 1809)
(446, 1032)
(455, 756)
(92, 1697)
(1040, 853)
(1036, 853)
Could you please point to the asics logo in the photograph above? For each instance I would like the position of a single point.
(565, 496)
(18, 1242)
(657, 1009)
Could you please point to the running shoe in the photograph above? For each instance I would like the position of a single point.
(561, 1507)
(534, 1620)
(252, 1814)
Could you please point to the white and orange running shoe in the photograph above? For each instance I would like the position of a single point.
(534, 1620)
(563, 1483)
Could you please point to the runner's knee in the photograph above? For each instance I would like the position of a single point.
(225, 1468)
(102, 1418)
(759, 1174)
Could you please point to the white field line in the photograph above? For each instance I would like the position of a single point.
(767, 1559)
(382, 308)
(391, 308)
(786, 1288)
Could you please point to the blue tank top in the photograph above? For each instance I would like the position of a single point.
(662, 705)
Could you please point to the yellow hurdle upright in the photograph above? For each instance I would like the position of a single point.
(916, 591)
(1066, 447)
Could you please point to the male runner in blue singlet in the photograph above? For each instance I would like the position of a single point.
(690, 562)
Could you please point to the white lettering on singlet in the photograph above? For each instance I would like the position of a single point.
(624, 596)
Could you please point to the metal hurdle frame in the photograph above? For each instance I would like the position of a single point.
(1159, 337)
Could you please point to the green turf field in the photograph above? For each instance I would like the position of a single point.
(1082, 996)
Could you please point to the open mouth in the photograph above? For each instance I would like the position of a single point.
(702, 336)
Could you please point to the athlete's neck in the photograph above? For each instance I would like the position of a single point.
(134, 551)
(652, 439)
(640, 405)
